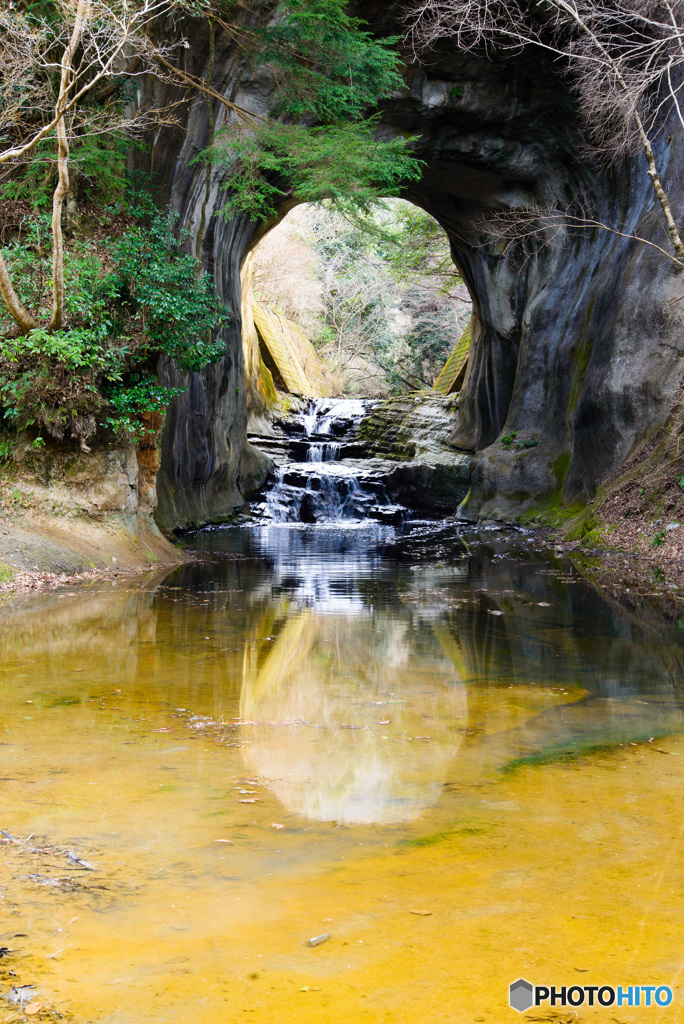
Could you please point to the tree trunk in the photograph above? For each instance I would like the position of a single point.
(82, 13)
(11, 300)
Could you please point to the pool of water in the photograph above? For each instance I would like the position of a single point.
(443, 751)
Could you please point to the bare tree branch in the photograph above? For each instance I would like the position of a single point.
(620, 54)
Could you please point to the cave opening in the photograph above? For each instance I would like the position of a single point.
(355, 307)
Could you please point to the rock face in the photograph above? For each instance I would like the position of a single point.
(424, 470)
(75, 510)
(576, 347)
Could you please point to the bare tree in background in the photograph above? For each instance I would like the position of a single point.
(93, 42)
(625, 59)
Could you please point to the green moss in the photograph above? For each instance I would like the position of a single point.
(551, 511)
(585, 526)
(561, 467)
(453, 370)
(580, 362)
(285, 402)
(7, 573)
(434, 838)
(593, 537)
(384, 432)
(267, 388)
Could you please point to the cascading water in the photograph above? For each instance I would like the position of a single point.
(320, 477)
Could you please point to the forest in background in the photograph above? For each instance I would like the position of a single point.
(380, 298)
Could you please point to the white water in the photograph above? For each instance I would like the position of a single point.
(327, 486)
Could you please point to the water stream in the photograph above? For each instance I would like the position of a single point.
(439, 748)
(321, 475)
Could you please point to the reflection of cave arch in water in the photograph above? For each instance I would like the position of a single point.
(353, 719)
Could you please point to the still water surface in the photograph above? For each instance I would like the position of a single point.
(447, 753)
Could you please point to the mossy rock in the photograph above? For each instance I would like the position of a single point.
(383, 433)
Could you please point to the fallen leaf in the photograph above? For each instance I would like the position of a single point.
(274, 824)
(421, 913)
(228, 841)
(33, 1008)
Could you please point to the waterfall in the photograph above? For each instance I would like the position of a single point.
(320, 475)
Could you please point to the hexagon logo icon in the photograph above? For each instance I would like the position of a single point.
(521, 995)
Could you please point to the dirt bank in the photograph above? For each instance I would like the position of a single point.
(630, 539)
(66, 514)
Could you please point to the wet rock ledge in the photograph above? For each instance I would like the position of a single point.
(408, 441)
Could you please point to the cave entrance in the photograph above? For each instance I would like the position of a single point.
(351, 307)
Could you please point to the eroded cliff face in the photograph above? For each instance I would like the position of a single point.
(577, 347)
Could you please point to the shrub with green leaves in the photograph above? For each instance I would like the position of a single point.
(131, 299)
(344, 163)
(97, 167)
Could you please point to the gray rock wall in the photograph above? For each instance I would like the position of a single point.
(577, 346)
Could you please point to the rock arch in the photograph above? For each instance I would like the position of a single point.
(572, 347)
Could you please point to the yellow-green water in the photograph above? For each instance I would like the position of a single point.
(458, 762)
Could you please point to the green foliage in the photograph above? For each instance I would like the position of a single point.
(434, 326)
(157, 297)
(329, 69)
(97, 167)
(513, 443)
(414, 243)
(138, 395)
(396, 328)
(6, 451)
(659, 539)
(131, 299)
(344, 163)
(329, 75)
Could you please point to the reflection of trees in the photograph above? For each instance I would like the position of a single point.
(195, 636)
(354, 719)
(518, 621)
